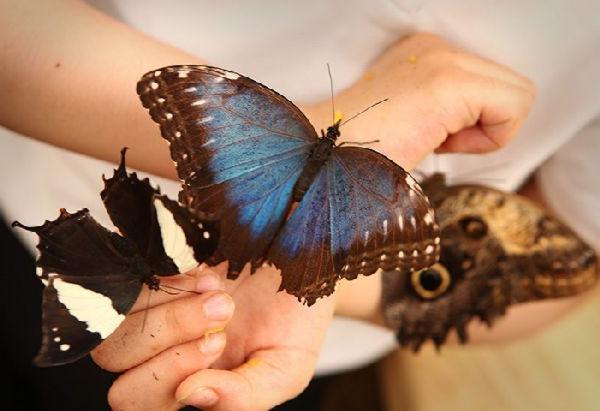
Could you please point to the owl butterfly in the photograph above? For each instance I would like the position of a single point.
(93, 275)
(497, 249)
(316, 210)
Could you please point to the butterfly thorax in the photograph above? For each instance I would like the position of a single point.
(319, 154)
(152, 282)
(143, 270)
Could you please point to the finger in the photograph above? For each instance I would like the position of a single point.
(491, 114)
(264, 381)
(501, 119)
(470, 140)
(164, 326)
(152, 385)
(195, 281)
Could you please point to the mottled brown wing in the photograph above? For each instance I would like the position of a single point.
(547, 258)
(497, 249)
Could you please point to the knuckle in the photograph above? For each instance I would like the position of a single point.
(174, 321)
(443, 58)
(442, 77)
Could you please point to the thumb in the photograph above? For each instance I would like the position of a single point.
(267, 379)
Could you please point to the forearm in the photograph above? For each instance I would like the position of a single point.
(68, 76)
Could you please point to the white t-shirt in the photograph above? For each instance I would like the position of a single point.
(285, 44)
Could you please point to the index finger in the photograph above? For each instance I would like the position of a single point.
(196, 281)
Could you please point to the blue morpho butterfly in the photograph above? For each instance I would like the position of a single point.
(315, 210)
(93, 275)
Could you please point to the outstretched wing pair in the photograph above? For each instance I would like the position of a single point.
(93, 275)
(240, 147)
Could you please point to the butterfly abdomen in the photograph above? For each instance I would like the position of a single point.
(316, 159)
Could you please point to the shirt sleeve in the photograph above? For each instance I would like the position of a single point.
(570, 182)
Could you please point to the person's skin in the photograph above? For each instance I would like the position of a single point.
(68, 75)
(272, 346)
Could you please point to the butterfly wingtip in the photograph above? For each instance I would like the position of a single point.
(307, 301)
(122, 170)
(20, 225)
(43, 362)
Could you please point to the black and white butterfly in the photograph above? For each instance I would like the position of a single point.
(314, 209)
(93, 275)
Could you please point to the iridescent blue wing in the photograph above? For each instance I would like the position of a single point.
(239, 148)
(362, 213)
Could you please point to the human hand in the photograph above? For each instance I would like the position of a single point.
(440, 98)
(272, 347)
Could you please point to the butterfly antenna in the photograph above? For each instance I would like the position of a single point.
(367, 109)
(162, 288)
(146, 311)
(331, 87)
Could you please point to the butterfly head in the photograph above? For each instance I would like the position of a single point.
(333, 132)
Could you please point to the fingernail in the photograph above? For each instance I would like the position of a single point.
(212, 343)
(218, 307)
(200, 397)
(209, 282)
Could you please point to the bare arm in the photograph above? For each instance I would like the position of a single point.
(68, 76)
